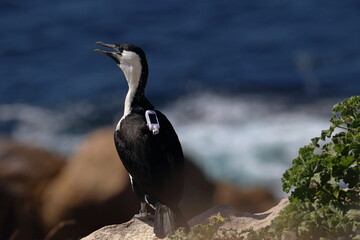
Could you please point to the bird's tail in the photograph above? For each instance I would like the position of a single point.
(167, 220)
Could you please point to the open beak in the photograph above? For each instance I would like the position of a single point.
(114, 55)
(112, 46)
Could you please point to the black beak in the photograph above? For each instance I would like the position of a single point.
(112, 46)
(110, 54)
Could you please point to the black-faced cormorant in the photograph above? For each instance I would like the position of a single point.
(148, 145)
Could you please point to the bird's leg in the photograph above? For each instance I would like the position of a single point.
(143, 211)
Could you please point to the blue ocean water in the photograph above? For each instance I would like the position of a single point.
(246, 83)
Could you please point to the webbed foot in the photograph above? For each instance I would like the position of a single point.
(143, 214)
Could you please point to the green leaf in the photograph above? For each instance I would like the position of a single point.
(315, 141)
(316, 178)
(324, 134)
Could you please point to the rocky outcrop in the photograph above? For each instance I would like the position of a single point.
(25, 173)
(133, 229)
(238, 220)
(198, 191)
(92, 190)
(45, 196)
(244, 199)
(138, 229)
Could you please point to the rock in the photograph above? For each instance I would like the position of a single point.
(239, 221)
(24, 174)
(138, 229)
(198, 191)
(92, 191)
(255, 221)
(42, 195)
(23, 167)
(244, 199)
(133, 229)
(8, 214)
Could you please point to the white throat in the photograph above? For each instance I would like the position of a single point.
(130, 64)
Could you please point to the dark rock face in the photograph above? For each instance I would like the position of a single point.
(24, 174)
(198, 191)
(92, 191)
(244, 199)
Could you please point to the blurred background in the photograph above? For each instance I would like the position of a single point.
(245, 83)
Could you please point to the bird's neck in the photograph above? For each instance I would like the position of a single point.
(135, 101)
(128, 101)
(135, 98)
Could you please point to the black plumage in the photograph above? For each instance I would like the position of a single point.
(155, 162)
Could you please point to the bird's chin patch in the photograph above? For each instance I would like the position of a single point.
(115, 59)
(113, 55)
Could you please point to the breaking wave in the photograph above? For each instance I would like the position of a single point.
(40, 127)
(246, 139)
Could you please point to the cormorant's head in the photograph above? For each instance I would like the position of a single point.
(130, 58)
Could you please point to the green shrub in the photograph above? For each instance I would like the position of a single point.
(311, 221)
(330, 163)
(207, 232)
(324, 183)
(324, 186)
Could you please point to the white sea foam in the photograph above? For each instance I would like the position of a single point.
(247, 140)
(41, 127)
